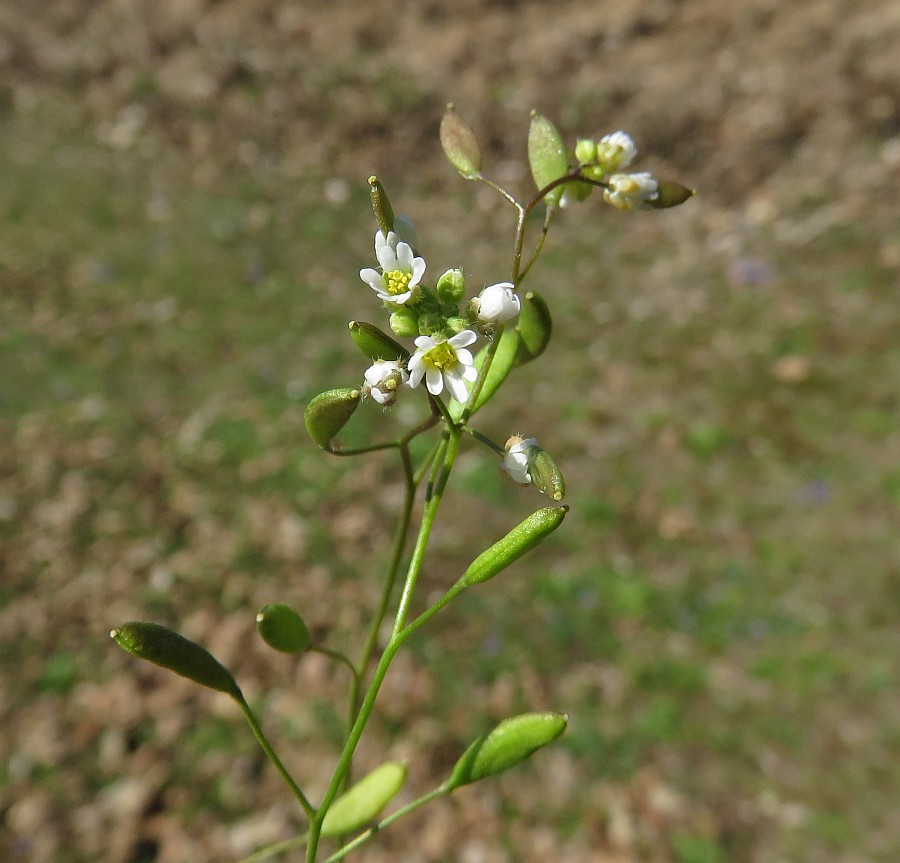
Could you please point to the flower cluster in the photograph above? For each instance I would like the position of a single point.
(442, 358)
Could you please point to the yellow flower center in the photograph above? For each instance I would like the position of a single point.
(397, 282)
(441, 356)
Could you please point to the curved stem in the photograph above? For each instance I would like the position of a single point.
(277, 848)
(340, 657)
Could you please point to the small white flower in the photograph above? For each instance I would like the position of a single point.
(515, 462)
(400, 273)
(383, 379)
(444, 362)
(497, 304)
(631, 191)
(616, 151)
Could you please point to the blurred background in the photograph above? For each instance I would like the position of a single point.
(184, 212)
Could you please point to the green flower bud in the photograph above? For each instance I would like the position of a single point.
(166, 648)
(510, 743)
(670, 194)
(547, 155)
(451, 287)
(362, 803)
(460, 144)
(535, 327)
(545, 475)
(405, 323)
(431, 324)
(585, 151)
(329, 412)
(457, 325)
(384, 213)
(282, 628)
(519, 541)
(375, 343)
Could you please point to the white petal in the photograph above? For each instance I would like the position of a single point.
(424, 343)
(465, 356)
(434, 380)
(416, 374)
(404, 257)
(456, 386)
(372, 278)
(418, 270)
(461, 340)
(470, 373)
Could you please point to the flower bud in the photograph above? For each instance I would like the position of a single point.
(329, 412)
(631, 191)
(384, 213)
(460, 144)
(451, 287)
(547, 155)
(615, 151)
(166, 648)
(405, 322)
(519, 541)
(585, 151)
(496, 304)
(282, 628)
(670, 194)
(545, 474)
(431, 324)
(361, 804)
(516, 461)
(457, 324)
(375, 343)
(510, 743)
(535, 327)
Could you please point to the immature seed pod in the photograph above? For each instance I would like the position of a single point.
(384, 213)
(362, 803)
(510, 743)
(547, 155)
(545, 474)
(282, 628)
(329, 412)
(520, 540)
(165, 647)
(375, 343)
(535, 327)
(460, 144)
(670, 194)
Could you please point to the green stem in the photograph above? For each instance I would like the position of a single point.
(277, 848)
(308, 808)
(340, 657)
(360, 450)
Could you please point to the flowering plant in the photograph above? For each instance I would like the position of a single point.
(513, 328)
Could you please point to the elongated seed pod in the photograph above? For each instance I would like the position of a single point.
(670, 194)
(362, 803)
(329, 412)
(535, 327)
(381, 206)
(460, 143)
(520, 540)
(510, 743)
(375, 343)
(165, 647)
(545, 474)
(547, 155)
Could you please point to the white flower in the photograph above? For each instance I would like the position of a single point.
(515, 462)
(444, 362)
(631, 191)
(497, 304)
(616, 151)
(383, 379)
(400, 271)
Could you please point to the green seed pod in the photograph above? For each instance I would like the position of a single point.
(165, 647)
(405, 323)
(460, 144)
(375, 343)
(329, 412)
(535, 327)
(520, 540)
(545, 475)
(451, 287)
(504, 361)
(282, 628)
(362, 803)
(510, 743)
(670, 194)
(384, 213)
(547, 155)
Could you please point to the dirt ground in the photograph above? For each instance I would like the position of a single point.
(759, 104)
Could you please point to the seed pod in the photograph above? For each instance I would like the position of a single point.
(510, 743)
(384, 213)
(460, 144)
(547, 155)
(520, 540)
(282, 628)
(329, 412)
(503, 363)
(670, 194)
(165, 647)
(362, 803)
(375, 343)
(545, 474)
(535, 327)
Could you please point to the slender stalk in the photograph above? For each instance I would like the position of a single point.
(360, 450)
(339, 657)
(277, 848)
(308, 808)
